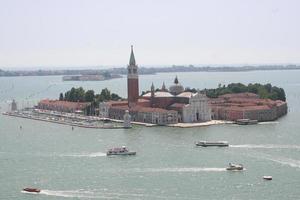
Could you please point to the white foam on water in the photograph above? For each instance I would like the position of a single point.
(281, 160)
(183, 169)
(75, 194)
(25, 192)
(89, 155)
(271, 122)
(285, 161)
(86, 194)
(265, 146)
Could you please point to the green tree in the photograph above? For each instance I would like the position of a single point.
(115, 97)
(89, 96)
(79, 94)
(105, 93)
(61, 96)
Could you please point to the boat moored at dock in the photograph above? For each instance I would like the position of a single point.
(120, 151)
(246, 121)
(212, 144)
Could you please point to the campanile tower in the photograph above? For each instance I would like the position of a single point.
(132, 81)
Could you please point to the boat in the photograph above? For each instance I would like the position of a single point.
(235, 167)
(32, 190)
(120, 151)
(106, 120)
(246, 121)
(267, 178)
(212, 144)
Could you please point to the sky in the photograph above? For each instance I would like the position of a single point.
(74, 33)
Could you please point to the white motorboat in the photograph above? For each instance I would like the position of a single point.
(235, 167)
(267, 178)
(120, 151)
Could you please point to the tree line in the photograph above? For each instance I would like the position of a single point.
(80, 95)
(266, 91)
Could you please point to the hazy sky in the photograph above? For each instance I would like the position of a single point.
(164, 32)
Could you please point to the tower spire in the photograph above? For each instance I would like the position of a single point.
(163, 87)
(132, 59)
(152, 87)
(176, 80)
(132, 81)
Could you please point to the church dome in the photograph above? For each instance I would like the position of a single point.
(176, 88)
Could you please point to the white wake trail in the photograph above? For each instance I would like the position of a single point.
(285, 161)
(89, 155)
(281, 160)
(182, 169)
(265, 146)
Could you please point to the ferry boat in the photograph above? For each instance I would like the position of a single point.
(246, 121)
(212, 144)
(32, 190)
(235, 167)
(120, 151)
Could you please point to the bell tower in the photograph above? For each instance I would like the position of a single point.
(132, 81)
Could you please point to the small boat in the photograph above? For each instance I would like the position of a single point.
(246, 121)
(120, 151)
(32, 190)
(267, 178)
(106, 120)
(235, 167)
(212, 144)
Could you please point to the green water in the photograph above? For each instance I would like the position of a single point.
(68, 164)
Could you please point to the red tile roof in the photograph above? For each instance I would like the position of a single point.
(143, 109)
(177, 105)
(64, 104)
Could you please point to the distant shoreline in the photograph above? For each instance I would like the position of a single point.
(114, 72)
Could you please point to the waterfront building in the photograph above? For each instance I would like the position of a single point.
(63, 106)
(127, 119)
(14, 106)
(246, 106)
(157, 107)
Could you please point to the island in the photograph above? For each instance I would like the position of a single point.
(175, 104)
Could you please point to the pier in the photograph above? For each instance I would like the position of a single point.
(73, 120)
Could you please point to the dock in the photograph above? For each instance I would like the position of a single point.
(200, 124)
(65, 121)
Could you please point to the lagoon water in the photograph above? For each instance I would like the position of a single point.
(68, 164)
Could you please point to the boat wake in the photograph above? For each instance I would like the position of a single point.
(265, 146)
(72, 194)
(281, 160)
(89, 155)
(272, 122)
(102, 194)
(183, 169)
(284, 161)
(25, 192)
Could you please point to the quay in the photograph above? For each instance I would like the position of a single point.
(82, 121)
(200, 124)
(65, 119)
